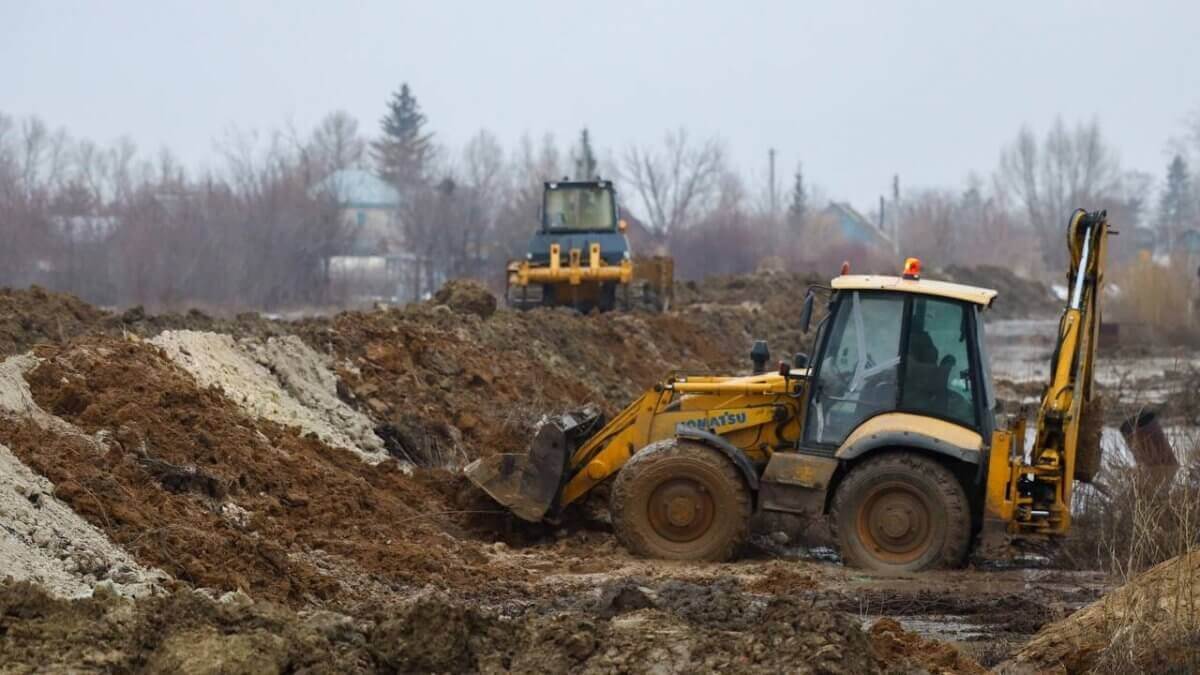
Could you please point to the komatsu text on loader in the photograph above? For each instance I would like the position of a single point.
(889, 431)
(580, 256)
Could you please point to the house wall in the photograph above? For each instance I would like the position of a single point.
(377, 229)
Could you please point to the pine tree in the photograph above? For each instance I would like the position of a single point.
(798, 209)
(403, 152)
(1177, 208)
(585, 158)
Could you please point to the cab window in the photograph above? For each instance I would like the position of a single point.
(937, 365)
(858, 373)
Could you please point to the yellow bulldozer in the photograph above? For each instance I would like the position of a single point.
(580, 256)
(889, 432)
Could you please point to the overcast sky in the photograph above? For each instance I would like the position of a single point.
(856, 90)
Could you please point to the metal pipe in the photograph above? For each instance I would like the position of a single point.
(1077, 295)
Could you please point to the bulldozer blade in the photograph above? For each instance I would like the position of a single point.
(528, 484)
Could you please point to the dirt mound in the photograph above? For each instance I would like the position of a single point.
(1017, 298)
(189, 483)
(1151, 624)
(451, 387)
(766, 305)
(892, 643)
(466, 296)
(35, 315)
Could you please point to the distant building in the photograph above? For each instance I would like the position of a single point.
(1187, 245)
(855, 227)
(376, 264)
(369, 206)
(84, 229)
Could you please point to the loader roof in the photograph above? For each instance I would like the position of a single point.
(945, 289)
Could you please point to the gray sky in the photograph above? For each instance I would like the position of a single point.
(856, 90)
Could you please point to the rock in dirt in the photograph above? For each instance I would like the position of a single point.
(466, 296)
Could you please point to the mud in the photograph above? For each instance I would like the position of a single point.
(671, 629)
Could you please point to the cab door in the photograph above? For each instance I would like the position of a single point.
(858, 370)
(940, 376)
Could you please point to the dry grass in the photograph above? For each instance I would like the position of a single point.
(1143, 526)
(1157, 303)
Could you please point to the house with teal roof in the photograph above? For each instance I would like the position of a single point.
(377, 264)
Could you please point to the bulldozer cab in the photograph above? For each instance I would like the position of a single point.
(579, 206)
(898, 345)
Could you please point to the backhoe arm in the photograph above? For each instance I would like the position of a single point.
(1035, 497)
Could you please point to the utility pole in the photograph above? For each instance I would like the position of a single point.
(771, 181)
(896, 214)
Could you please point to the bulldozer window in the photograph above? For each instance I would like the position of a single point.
(857, 376)
(938, 378)
(583, 208)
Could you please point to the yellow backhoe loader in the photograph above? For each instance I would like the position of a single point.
(889, 432)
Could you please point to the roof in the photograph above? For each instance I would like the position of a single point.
(945, 289)
(356, 188)
(855, 226)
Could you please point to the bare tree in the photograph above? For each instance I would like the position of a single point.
(483, 182)
(1070, 168)
(675, 183)
(933, 227)
(517, 214)
(336, 143)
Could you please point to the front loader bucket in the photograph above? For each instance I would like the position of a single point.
(528, 484)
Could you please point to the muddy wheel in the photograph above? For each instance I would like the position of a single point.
(680, 500)
(901, 513)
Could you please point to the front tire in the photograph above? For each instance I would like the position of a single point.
(901, 512)
(680, 500)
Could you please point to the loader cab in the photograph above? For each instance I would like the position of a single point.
(894, 344)
(576, 214)
(579, 206)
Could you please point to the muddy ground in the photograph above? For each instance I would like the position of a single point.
(210, 458)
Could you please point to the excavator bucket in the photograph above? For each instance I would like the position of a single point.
(528, 484)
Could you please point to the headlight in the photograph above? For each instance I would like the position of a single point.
(626, 255)
(529, 256)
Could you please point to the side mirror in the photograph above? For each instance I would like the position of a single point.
(806, 313)
(800, 361)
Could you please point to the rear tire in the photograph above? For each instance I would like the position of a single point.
(901, 512)
(680, 500)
